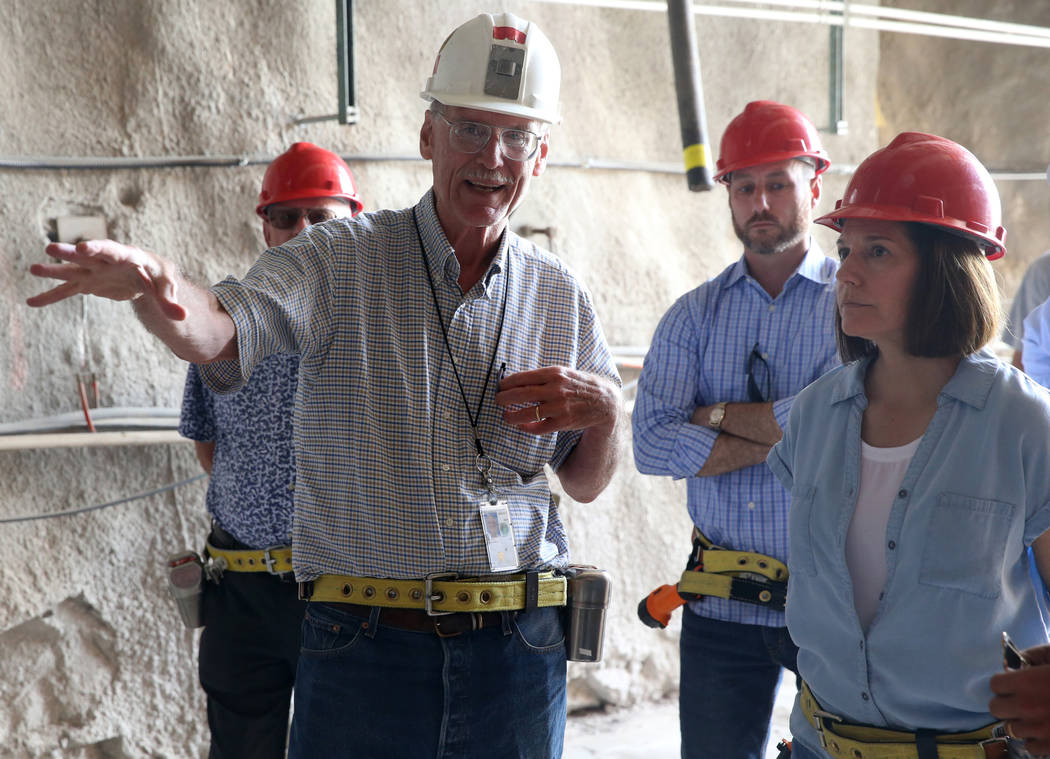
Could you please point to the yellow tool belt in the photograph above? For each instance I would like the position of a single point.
(844, 740)
(723, 573)
(273, 560)
(441, 593)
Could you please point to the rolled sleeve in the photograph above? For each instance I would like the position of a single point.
(666, 442)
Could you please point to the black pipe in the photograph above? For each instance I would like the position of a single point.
(691, 116)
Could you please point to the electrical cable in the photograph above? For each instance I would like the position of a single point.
(100, 506)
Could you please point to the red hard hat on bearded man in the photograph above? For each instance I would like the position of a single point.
(307, 171)
(767, 132)
(930, 180)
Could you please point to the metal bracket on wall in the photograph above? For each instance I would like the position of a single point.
(344, 52)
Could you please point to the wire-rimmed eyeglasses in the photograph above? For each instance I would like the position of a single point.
(473, 136)
(758, 393)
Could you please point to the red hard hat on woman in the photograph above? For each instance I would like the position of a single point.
(307, 171)
(927, 179)
(767, 132)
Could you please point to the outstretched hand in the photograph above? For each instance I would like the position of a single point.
(108, 269)
(555, 398)
(1022, 700)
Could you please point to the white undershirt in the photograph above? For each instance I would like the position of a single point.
(881, 473)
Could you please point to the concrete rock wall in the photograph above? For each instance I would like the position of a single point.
(93, 659)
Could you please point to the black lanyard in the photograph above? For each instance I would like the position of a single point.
(481, 461)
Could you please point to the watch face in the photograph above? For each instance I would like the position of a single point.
(717, 413)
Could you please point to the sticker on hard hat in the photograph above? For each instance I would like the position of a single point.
(503, 77)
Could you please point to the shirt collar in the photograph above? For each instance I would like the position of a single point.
(971, 384)
(811, 267)
(441, 256)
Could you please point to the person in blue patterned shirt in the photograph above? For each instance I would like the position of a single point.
(445, 364)
(250, 645)
(719, 379)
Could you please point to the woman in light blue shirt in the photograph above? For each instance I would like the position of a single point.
(919, 473)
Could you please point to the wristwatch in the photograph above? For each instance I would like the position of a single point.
(718, 414)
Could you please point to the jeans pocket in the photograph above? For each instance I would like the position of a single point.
(540, 630)
(966, 545)
(327, 633)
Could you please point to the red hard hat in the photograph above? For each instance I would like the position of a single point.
(927, 179)
(307, 171)
(767, 132)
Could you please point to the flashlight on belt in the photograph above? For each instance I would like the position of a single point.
(186, 586)
(588, 592)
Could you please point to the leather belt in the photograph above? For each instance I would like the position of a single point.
(441, 593)
(844, 740)
(417, 620)
(276, 561)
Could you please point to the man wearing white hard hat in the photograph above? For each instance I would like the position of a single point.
(434, 387)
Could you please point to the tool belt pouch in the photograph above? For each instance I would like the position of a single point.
(588, 591)
(186, 577)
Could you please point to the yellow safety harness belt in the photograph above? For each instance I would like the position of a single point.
(276, 560)
(844, 740)
(737, 575)
(441, 593)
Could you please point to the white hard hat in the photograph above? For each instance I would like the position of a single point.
(498, 63)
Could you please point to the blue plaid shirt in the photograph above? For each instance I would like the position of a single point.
(387, 484)
(698, 357)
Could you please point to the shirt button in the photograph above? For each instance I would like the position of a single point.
(902, 493)
(751, 504)
(772, 307)
(862, 644)
(892, 544)
(449, 522)
(446, 468)
(291, 486)
(765, 356)
(865, 696)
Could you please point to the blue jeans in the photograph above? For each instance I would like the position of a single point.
(365, 690)
(729, 676)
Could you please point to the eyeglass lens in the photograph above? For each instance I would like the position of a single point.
(286, 218)
(472, 136)
(756, 393)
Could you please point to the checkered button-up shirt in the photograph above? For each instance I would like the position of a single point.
(387, 484)
(699, 356)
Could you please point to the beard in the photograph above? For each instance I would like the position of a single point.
(767, 241)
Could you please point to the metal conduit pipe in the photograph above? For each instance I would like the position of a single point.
(689, 91)
(103, 163)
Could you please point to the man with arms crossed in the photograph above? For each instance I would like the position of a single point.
(723, 368)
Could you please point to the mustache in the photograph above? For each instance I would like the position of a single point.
(486, 177)
(765, 216)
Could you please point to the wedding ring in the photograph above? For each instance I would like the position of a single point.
(537, 407)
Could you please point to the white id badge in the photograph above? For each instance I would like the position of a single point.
(499, 536)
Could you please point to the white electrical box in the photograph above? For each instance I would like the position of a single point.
(73, 229)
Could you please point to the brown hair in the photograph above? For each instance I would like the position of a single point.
(954, 309)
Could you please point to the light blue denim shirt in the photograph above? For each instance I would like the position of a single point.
(699, 356)
(976, 493)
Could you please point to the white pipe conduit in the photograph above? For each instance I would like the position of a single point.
(839, 13)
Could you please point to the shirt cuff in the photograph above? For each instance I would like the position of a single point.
(692, 446)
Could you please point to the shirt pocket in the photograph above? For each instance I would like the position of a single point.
(966, 545)
(800, 534)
